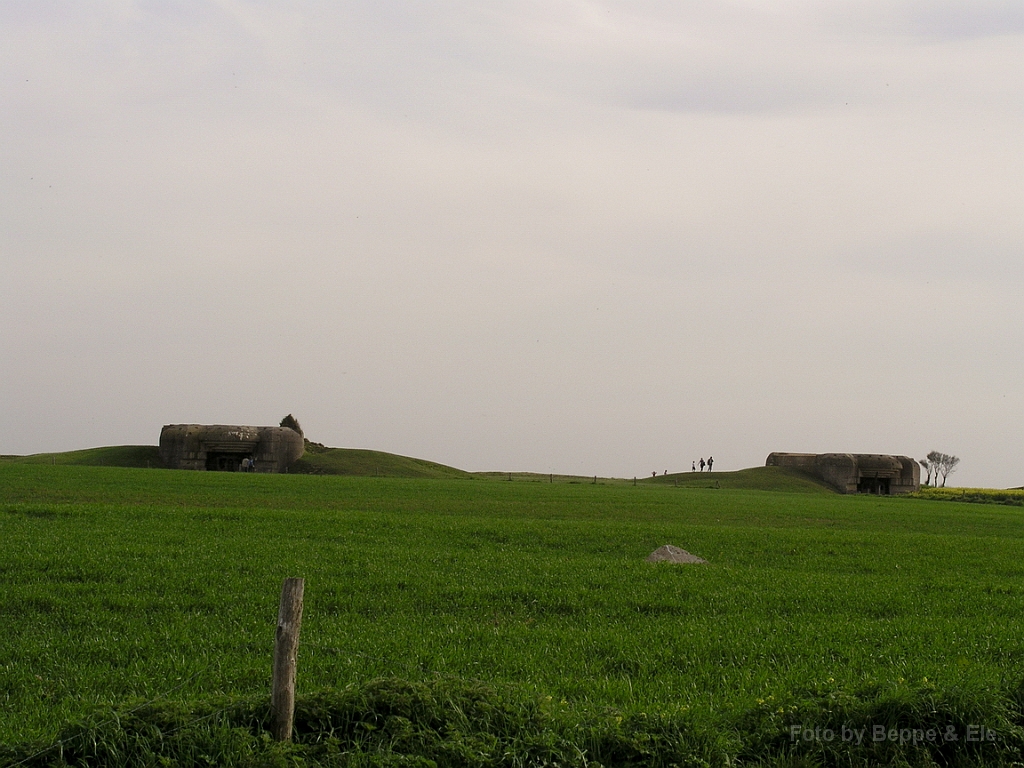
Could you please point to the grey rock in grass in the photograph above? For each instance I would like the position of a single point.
(670, 554)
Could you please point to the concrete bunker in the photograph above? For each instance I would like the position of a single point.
(876, 473)
(222, 448)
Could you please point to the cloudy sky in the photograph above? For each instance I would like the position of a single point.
(579, 236)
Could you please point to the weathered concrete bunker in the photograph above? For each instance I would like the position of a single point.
(855, 472)
(218, 447)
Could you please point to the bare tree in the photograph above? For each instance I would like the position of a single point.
(941, 464)
(948, 466)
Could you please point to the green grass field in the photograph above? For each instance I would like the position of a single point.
(124, 586)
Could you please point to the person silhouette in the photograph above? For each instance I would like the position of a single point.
(702, 464)
(710, 462)
(693, 466)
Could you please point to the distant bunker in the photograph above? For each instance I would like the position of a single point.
(855, 472)
(221, 448)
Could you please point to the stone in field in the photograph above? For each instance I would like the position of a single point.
(670, 554)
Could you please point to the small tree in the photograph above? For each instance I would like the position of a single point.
(941, 464)
(948, 466)
(292, 423)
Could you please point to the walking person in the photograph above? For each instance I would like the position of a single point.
(701, 463)
(693, 466)
(245, 464)
(711, 461)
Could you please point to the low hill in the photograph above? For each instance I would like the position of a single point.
(318, 460)
(783, 479)
(135, 456)
(321, 460)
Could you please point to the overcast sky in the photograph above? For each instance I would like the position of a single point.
(567, 236)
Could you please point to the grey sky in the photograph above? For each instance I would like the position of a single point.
(590, 237)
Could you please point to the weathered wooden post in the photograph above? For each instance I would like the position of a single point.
(282, 697)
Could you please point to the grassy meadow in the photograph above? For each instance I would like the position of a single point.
(135, 590)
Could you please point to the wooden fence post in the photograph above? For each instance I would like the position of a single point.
(282, 697)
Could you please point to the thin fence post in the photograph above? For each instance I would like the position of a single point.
(289, 621)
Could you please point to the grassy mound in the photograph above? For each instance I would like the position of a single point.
(131, 456)
(455, 722)
(783, 479)
(318, 460)
(321, 460)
